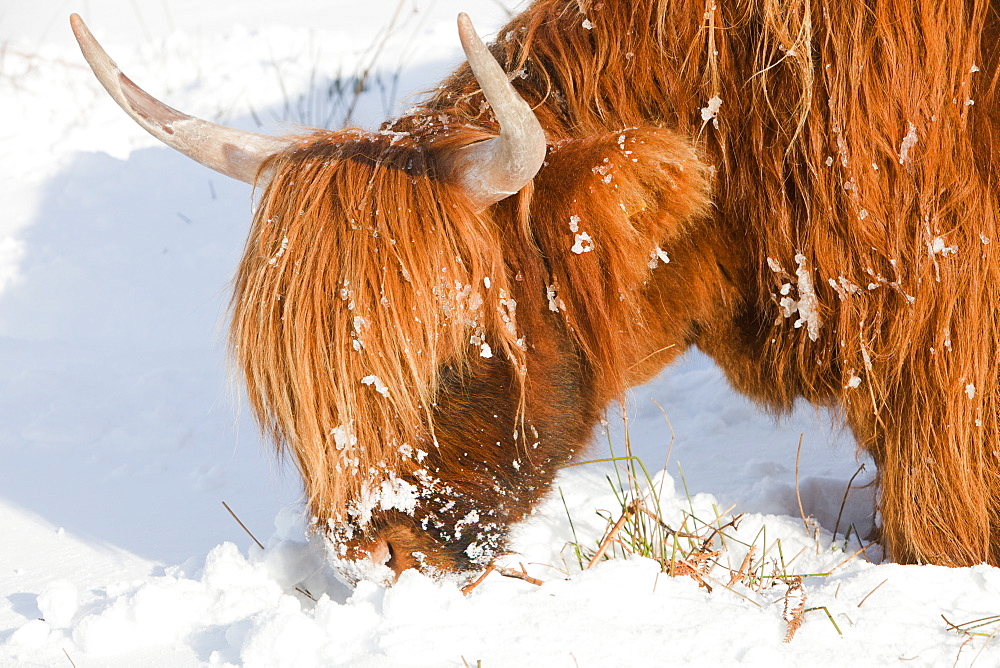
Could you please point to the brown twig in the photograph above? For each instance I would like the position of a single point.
(744, 570)
(836, 526)
(244, 526)
(697, 567)
(798, 496)
(366, 71)
(716, 530)
(68, 658)
(960, 648)
(467, 589)
(863, 549)
(519, 575)
(561, 572)
(622, 545)
(873, 591)
(953, 627)
(632, 507)
(305, 592)
(974, 624)
(666, 527)
(670, 448)
(791, 561)
(655, 352)
(301, 590)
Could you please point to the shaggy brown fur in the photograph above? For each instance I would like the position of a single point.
(854, 153)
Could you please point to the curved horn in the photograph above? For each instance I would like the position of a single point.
(497, 168)
(235, 153)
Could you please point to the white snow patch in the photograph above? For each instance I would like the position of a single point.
(909, 141)
(281, 251)
(471, 518)
(807, 304)
(391, 493)
(658, 255)
(376, 383)
(556, 304)
(584, 244)
(31, 635)
(397, 494)
(710, 112)
(58, 603)
(604, 171)
(938, 246)
(343, 437)
(844, 287)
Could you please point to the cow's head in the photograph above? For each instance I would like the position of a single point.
(403, 324)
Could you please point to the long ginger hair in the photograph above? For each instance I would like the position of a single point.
(853, 152)
(355, 287)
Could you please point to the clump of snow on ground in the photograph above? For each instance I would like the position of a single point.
(122, 432)
(280, 607)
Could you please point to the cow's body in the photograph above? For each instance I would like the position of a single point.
(823, 177)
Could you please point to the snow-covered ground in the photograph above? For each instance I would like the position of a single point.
(121, 433)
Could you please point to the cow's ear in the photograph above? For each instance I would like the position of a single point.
(619, 194)
(604, 212)
(643, 183)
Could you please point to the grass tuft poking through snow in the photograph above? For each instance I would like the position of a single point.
(688, 537)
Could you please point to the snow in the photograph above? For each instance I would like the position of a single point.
(376, 383)
(343, 437)
(808, 304)
(658, 255)
(58, 602)
(909, 141)
(710, 112)
(123, 431)
(938, 246)
(582, 243)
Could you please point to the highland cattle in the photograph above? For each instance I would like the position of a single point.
(432, 317)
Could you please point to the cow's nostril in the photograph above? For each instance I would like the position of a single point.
(392, 561)
(399, 559)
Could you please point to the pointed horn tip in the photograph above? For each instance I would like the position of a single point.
(466, 31)
(100, 62)
(77, 24)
